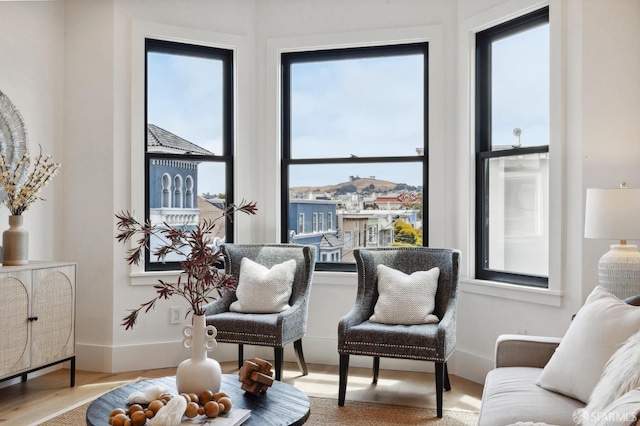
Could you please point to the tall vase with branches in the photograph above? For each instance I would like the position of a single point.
(199, 283)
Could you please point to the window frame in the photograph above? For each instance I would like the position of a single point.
(228, 135)
(483, 147)
(357, 52)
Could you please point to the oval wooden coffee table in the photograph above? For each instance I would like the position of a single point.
(282, 404)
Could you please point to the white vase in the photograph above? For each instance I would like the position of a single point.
(199, 372)
(15, 243)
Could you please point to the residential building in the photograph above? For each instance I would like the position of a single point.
(313, 222)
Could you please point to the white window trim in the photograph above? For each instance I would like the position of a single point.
(466, 148)
(271, 152)
(140, 30)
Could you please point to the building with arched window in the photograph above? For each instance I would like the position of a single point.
(173, 183)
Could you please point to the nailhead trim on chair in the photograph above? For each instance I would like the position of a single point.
(251, 334)
(388, 345)
(404, 356)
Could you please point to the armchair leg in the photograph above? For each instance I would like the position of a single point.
(447, 384)
(344, 370)
(278, 355)
(439, 386)
(297, 345)
(240, 355)
(376, 368)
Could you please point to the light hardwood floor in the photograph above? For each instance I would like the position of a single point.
(38, 398)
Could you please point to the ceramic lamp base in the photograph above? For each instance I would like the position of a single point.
(619, 270)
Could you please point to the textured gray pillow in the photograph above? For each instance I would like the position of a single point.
(405, 299)
(261, 290)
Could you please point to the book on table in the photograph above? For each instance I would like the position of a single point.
(235, 417)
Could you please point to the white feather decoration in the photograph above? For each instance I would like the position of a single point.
(13, 136)
(621, 374)
(171, 414)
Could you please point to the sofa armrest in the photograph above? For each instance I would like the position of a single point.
(515, 350)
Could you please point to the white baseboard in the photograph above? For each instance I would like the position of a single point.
(472, 366)
(316, 351)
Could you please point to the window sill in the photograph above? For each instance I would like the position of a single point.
(336, 278)
(152, 277)
(541, 296)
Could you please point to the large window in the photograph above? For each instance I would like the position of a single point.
(512, 151)
(354, 147)
(189, 137)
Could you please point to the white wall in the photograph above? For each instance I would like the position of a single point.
(82, 66)
(32, 48)
(611, 105)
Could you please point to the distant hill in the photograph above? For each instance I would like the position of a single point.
(359, 183)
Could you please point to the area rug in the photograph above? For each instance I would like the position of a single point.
(325, 412)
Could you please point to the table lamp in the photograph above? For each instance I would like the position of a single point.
(614, 214)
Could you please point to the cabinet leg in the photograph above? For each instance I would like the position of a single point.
(73, 372)
(24, 377)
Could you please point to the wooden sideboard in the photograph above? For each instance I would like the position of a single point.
(37, 318)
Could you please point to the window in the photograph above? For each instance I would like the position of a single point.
(314, 223)
(189, 138)
(512, 151)
(301, 223)
(354, 141)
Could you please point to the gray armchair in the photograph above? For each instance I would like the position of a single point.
(273, 329)
(429, 342)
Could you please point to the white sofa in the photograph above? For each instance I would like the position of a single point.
(598, 361)
(510, 391)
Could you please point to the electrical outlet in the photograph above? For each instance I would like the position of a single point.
(521, 330)
(175, 314)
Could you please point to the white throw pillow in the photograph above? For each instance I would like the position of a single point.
(261, 290)
(600, 327)
(405, 299)
(621, 374)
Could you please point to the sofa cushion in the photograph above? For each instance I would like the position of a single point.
(511, 395)
(600, 327)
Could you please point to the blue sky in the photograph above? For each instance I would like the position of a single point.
(362, 107)
(520, 85)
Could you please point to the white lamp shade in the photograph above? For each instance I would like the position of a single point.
(613, 214)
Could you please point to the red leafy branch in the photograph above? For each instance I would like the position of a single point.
(201, 282)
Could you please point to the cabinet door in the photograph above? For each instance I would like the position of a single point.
(15, 293)
(53, 302)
